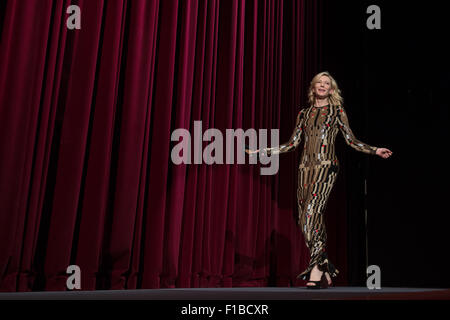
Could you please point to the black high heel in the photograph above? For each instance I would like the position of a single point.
(322, 284)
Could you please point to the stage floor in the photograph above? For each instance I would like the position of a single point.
(259, 293)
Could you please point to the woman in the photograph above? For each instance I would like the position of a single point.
(318, 169)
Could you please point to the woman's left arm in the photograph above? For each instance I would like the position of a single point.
(349, 136)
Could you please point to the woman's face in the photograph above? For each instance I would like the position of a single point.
(322, 88)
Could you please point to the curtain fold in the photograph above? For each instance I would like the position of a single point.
(86, 117)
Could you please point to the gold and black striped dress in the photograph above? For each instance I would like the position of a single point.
(317, 174)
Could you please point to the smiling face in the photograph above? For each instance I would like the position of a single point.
(322, 88)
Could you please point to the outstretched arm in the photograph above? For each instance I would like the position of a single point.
(349, 136)
(293, 142)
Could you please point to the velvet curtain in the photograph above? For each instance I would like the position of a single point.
(86, 118)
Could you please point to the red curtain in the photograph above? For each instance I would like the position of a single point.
(85, 137)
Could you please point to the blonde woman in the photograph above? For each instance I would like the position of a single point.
(319, 123)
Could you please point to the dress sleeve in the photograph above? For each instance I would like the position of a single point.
(349, 136)
(294, 140)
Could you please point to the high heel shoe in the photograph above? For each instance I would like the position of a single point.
(322, 284)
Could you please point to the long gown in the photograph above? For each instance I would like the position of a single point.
(317, 174)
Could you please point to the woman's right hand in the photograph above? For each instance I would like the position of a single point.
(250, 152)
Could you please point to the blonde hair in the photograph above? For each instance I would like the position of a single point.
(334, 98)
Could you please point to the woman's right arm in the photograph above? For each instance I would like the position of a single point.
(294, 140)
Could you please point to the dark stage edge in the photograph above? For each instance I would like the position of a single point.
(260, 293)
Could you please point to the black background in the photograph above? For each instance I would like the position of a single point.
(395, 84)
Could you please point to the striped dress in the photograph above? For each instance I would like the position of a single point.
(317, 174)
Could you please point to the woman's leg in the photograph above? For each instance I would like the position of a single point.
(315, 185)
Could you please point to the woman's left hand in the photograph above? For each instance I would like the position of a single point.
(384, 153)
